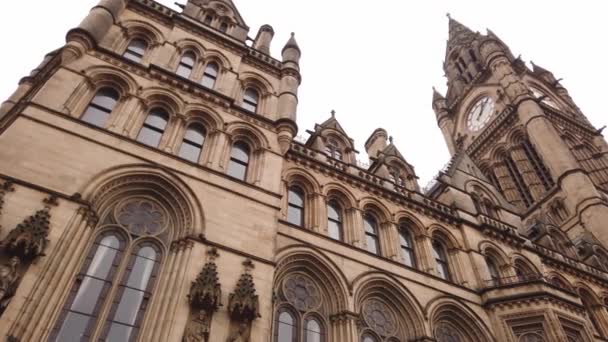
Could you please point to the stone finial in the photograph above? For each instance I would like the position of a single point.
(206, 292)
(29, 239)
(243, 303)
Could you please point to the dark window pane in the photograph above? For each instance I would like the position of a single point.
(250, 100)
(372, 244)
(128, 308)
(212, 69)
(149, 137)
(333, 212)
(138, 46)
(224, 27)
(236, 170)
(408, 257)
(313, 331)
(295, 216)
(157, 118)
(208, 20)
(73, 328)
(240, 152)
(296, 197)
(286, 328)
(140, 274)
(188, 59)
(96, 116)
(334, 230)
(370, 224)
(106, 98)
(190, 152)
(195, 134)
(120, 333)
(88, 293)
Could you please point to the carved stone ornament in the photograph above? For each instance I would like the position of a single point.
(206, 292)
(302, 292)
(141, 217)
(198, 328)
(444, 333)
(9, 278)
(379, 317)
(4, 188)
(29, 239)
(243, 304)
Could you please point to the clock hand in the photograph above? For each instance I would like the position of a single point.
(483, 107)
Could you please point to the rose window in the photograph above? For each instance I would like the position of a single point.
(379, 317)
(141, 217)
(302, 293)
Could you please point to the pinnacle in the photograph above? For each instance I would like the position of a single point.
(538, 69)
(437, 95)
(292, 43)
(459, 34)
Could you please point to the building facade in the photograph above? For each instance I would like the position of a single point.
(153, 189)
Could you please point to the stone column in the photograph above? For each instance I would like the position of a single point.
(389, 239)
(354, 233)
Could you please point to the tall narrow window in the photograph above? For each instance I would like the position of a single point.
(154, 127)
(224, 27)
(136, 50)
(407, 247)
(371, 233)
(313, 331)
(519, 181)
(493, 270)
(186, 64)
(539, 167)
(210, 75)
(286, 328)
(295, 207)
(250, 100)
(441, 260)
(99, 110)
(192, 145)
(239, 161)
(92, 285)
(334, 221)
(124, 320)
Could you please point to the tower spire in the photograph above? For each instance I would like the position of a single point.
(459, 34)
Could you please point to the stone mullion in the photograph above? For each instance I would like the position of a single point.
(176, 278)
(508, 186)
(136, 116)
(423, 247)
(528, 173)
(53, 284)
(319, 212)
(456, 267)
(122, 113)
(355, 231)
(167, 142)
(390, 238)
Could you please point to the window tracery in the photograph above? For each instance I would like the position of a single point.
(445, 333)
(379, 318)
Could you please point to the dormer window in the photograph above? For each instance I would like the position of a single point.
(224, 27)
(332, 150)
(208, 20)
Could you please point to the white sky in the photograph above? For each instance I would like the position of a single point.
(374, 62)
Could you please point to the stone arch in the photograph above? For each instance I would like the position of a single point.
(314, 264)
(416, 226)
(140, 179)
(561, 282)
(142, 29)
(378, 208)
(242, 131)
(103, 76)
(450, 313)
(160, 97)
(259, 82)
(517, 136)
(489, 248)
(407, 311)
(303, 179)
(472, 186)
(187, 44)
(205, 115)
(218, 57)
(524, 264)
(340, 193)
(445, 236)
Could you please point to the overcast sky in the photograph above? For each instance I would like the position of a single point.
(374, 62)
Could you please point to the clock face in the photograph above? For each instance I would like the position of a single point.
(480, 114)
(547, 100)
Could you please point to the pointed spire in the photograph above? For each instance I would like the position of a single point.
(459, 34)
(291, 52)
(437, 95)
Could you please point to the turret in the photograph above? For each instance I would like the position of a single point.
(288, 96)
(263, 39)
(93, 28)
(444, 120)
(376, 143)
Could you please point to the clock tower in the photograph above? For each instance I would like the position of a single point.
(524, 132)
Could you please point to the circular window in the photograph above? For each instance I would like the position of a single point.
(379, 317)
(141, 216)
(302, 292)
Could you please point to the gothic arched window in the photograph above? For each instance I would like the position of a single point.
(313, 331)
(539, 166)
(251, 98)
(118, 273)
(286, 327)
(407, 245)
(210, 75)
(192, 144)
(441, 260)
(332, 149)
(334, 221)
(152, 131)
(519, 181)
(239, 161)
(136, 50)
(295, 206)
(101, 106)
(493, 270)
(186, 64)
(370, 224)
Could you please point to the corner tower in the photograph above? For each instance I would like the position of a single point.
(524, 131)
